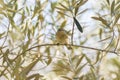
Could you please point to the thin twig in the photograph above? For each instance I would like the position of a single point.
(96, 49)
(110, 41)
(72, 33)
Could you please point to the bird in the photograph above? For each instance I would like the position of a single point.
(62, 37)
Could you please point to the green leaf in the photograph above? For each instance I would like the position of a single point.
(108, 2)
(112, 7)
(100, 33)
(78, 70)
(78, 5)
(63, 14)
(41, 17)
(117, 7)
(27, 69)
(53, 5)
(16, 7)
(63, 24)
(78, 25)
(5, 56)
(89, 61)
(26, 45)
(79, 61)
(101, 19)
(1, 34)
(23, 17)
(36, 76)
(49, 60)
(16, 68)
(81, 2)
(116, 19)
(65, 77)
(64, 6)
(97, 57)
(76, 10)
(60, 9)
(102, 78)
(93, 74)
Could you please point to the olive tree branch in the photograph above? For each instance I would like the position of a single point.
(96, 49)
(41, 45)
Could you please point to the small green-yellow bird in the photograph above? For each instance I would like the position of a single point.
(62, 37)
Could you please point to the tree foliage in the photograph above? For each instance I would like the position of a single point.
(28, 48)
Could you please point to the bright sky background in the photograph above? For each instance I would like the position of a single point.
(85, 20)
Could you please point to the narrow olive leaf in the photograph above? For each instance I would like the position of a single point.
(76, 10)
(89, 61)
(28, 11)
(36, 10)
(26, 45)
(11, 10)
(29, 34)
(18, 62)
(74, 57)
(23, 17)
(102, 78)
(16, 68)
(117, 7)
(53, 5)
(73, 2)
(100, 33)
(116, 19)
(96, 18)
(97, 57)
(48, 51)
(34, 76)
(40, 17)
(6, 76)
(78, 70)
(64, 7)
(82, 2)
(3, 13)
(16, 7)
(63, 14)
(1, 34)
(78, 3)
(63, 24)
(100, 19)
(49, 60)
(5, 56)
(27, 69)
(65, 77)
(93, 74)
(112, 7)
(108, 2)
(79, 61)
(78, 25)
(59, 8)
